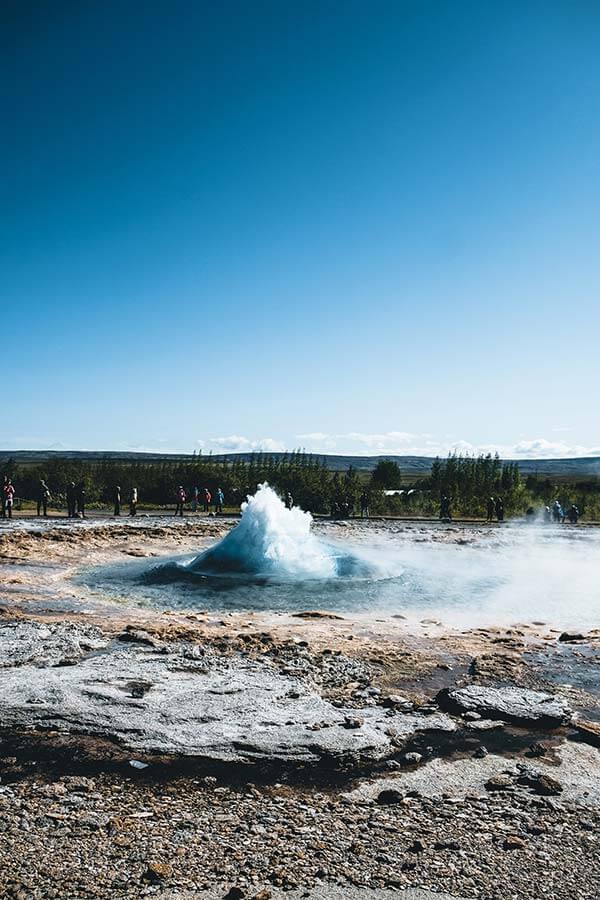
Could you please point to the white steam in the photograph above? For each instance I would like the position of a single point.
(270, 540)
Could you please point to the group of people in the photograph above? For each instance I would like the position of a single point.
(133, 501)
(76, 499)
(199, 497)
(495, 509)
(557, 513)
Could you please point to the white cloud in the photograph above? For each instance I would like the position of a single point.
(235, 443)
(540, 448)
(404, 443)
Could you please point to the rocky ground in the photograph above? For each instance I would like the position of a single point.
(249, 756)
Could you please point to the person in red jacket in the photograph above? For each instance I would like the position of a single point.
(181, 498)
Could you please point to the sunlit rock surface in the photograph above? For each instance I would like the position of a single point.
(515, 704)
(187, 701)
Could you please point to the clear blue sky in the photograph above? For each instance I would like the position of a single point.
(363, 226)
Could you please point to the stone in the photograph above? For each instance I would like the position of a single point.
(446, 845)
(541, 783)
(220, 709)
(571, 637)
(537, 749)
(395, 701)
(353, 722)
(316, 614)
(513, 842)
(589, 732)
(389, 797)
(412, 759)
(416, 847)
(499, 783)
(158, 871)
(514, 704)
(486, 725)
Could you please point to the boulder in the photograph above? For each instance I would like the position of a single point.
(227, 709)
(511, 703)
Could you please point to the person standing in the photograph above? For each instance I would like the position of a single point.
(9, 497)
(5, 481)
(195, 495)
(557, 512)
(219, 499)
(181, 498)
(445, 514)
(43, 498)
(206, 497)
(491, 509)
(117, 498)
(80, 498)
(71, 499)
(289, 500)
(364, 505)
(499, 509)
(133, 501)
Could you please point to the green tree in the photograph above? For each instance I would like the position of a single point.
(387, 475)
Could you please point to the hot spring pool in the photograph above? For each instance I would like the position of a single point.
(274, 561)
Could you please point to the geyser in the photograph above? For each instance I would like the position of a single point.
(271, 541)
(273, 560)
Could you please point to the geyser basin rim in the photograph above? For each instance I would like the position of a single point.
(464, 577)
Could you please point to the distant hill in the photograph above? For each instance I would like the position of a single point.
(411, 466)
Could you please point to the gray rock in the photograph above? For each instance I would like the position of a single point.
(412, 759)
(485, 725)
(232, 710)
(512, 703)
(41, 644)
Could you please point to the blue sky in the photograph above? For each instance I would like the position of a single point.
(366, 227)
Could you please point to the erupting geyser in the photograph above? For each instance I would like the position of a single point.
(273, 541)
(273, 560)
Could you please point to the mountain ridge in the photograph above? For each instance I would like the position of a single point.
(414, 466)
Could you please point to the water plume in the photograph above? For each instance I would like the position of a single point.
(270, 540)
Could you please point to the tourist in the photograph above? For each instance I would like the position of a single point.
(491, 509)
(43, 498)
(181, 498)
(499, 506)
(71, 499)
(557, 512)
(573, 514)
(445, 514)
(80, 500)
(4, 483)
(195, 496)
(8, 497)
(289, 500)
(117, 498)
(219, 498)
(133, 501)
(364, 505)
(206, 499)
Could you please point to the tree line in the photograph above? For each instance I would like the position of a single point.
(468, 481)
